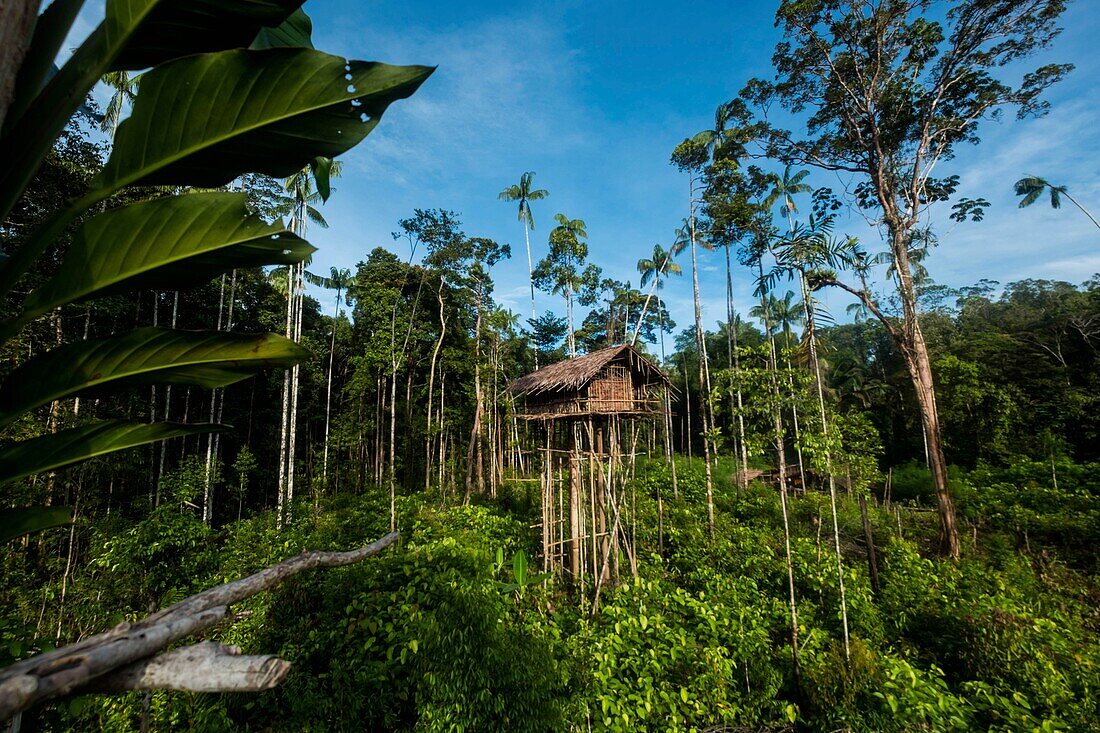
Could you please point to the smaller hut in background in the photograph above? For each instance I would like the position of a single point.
(589, 414)
(616, 380)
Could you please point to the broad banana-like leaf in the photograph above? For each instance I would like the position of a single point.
(204, 120)
(143, 356)
(174, 28)
(54, 451)
(295, 31)
(18, 522)
(133, 32)
(169, 243)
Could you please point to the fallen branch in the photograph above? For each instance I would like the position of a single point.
(65, 670)
(204, 667)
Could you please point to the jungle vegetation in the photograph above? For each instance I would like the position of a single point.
(878, 520)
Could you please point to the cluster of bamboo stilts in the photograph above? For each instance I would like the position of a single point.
(589, 500)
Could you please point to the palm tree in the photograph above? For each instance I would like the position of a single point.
(306, 187)
(342, 282)
(781, 316)
(686, 235)
(653, 269)
(811, 249)
(718, 142)
(1032, 187)
(560, 270)
(125, 89)
(785, 189)
(524, 194)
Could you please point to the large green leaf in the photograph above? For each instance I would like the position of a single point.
(169, 243)
(54, 451)
(295, 31)
(143, 356)
(174, 28)
(18, 522)
(204, 120)
(132, 33)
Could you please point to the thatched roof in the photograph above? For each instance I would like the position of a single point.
(572, 374)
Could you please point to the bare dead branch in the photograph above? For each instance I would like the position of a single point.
(65, 670)
(204, 667)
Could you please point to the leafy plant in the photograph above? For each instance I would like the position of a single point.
(209, 110)
(521, 579)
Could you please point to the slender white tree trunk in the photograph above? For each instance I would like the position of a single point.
(530, 278)
(328, 389)
(811, 328)
(431, 438)
(704, 373)
(294, 381)
(208, 498)
(735, 364)
(284, 433)
(163, 445)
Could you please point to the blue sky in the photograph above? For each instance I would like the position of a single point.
(594, 96)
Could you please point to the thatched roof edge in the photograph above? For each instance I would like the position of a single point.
(572, 374)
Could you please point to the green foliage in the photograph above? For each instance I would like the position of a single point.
(271, 111)
(663, 658)
(423, 639)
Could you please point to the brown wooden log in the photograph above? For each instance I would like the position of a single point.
(62, 671)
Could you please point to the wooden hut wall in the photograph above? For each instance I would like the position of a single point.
(612, 390)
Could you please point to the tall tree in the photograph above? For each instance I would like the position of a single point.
(124, 90)
(654, 270)
(342, 281)
(485, 254)
(782, 316)
(307, 187)
(691, 157)
(565, 272)
(523, 194)
(887, 92)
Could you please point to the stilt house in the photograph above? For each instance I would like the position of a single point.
(616, 380)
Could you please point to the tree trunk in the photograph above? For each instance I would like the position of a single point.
(294, 388)
(530, 279)
(473, 451)
(430, 441)
(735, 365)
(914, 350)
(285, 413)
(811, 329)
(328, 389)
(705, 398)
(780, 450)
(208, 495)
(17, 19)
(869, 538)
(569, 317)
